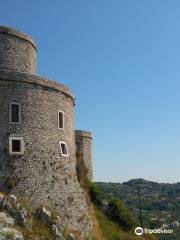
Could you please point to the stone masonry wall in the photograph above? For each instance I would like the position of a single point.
(41, 174)
(17, 51)
(83, 141)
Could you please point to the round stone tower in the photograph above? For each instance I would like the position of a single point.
(37, 142)
(17, 51)
(83, 140)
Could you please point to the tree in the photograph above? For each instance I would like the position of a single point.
(96, 194)
(119, 213)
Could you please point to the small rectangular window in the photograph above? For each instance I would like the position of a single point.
(60, 120)
(15, 111)
(16, 145)
(64, 149)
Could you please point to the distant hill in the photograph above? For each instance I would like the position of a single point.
(160, 202)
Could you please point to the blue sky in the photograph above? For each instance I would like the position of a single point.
(121, 59)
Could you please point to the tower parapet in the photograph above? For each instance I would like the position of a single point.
(17, 51)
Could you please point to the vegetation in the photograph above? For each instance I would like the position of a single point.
(96, 194)
(160, 203)
(6, 29)
(82, 172)
(106, 229)
(119, 213)
(113, 208)
(38, 231)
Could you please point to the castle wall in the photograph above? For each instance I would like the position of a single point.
(41, 174)
(17, 51)
(83, 141)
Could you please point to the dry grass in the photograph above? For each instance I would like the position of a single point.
(104, 229)
(97, 231)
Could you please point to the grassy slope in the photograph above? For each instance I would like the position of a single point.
(104, 229)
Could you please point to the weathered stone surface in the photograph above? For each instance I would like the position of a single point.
(7, 228)
(55, 229)
(2, 196)
(71, 237)
(56, 233)
(11, 227)
(43, 215)
(13, 198)
(83, 141)
(41, 174)
(21, 77)
(20, 218)
(10, 209)
(17, 51)
(10, 233)
(18, 214)
(6, 220)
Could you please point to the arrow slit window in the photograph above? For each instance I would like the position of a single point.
(15, 112)
(61, 120)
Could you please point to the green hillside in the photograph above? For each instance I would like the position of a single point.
(160, 203)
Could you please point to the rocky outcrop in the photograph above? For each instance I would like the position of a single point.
(7, 228)
(19, 223)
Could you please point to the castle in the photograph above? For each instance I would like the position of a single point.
(38, 143)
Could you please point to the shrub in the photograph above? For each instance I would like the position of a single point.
(119, 213)
(96, 194)
(6, 29)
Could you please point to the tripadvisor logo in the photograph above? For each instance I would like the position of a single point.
(139, 231)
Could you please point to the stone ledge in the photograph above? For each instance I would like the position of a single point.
(18, 34)
(83, 133)
(9, 75)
